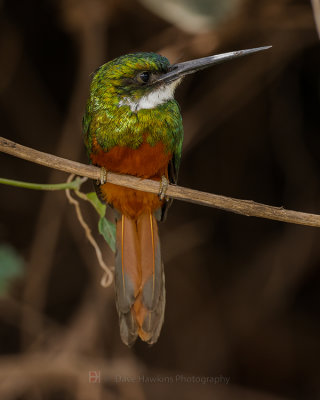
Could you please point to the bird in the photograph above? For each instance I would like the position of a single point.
(133, 125)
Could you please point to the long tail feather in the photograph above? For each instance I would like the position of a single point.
(127, 277)
(152, 283)
(139, 279)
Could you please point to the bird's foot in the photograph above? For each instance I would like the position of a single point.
(164, 183)
(103, 176)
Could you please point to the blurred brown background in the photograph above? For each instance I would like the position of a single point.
(242, 293)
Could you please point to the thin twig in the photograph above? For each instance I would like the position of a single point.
(107, 278)
(244, 207)
(42, 186)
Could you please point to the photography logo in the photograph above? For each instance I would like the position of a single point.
(94, 376)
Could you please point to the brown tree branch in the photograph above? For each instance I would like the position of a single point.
(316, 12)
(244, 207)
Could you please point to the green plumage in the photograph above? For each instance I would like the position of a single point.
(112, 122)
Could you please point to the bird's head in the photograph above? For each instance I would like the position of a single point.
(132, 80)
(147, 80)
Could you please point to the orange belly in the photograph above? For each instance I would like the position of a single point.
(146, 162)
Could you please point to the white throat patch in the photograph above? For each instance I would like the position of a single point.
(152, 99)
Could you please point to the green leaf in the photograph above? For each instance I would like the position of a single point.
(108, 231)
(106, 228)
(11, 267)
(94, 200)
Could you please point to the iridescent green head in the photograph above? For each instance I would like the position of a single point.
(132, 80)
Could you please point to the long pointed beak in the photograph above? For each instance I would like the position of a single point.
(177, 71)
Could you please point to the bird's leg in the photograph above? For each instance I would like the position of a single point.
(164, 183)
(103, 176)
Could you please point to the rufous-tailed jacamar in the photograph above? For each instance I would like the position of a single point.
(132, 125)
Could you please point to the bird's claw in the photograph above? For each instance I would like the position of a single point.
(103, 176)
(164, 183)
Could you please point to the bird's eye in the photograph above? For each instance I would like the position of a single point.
(143, 77)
